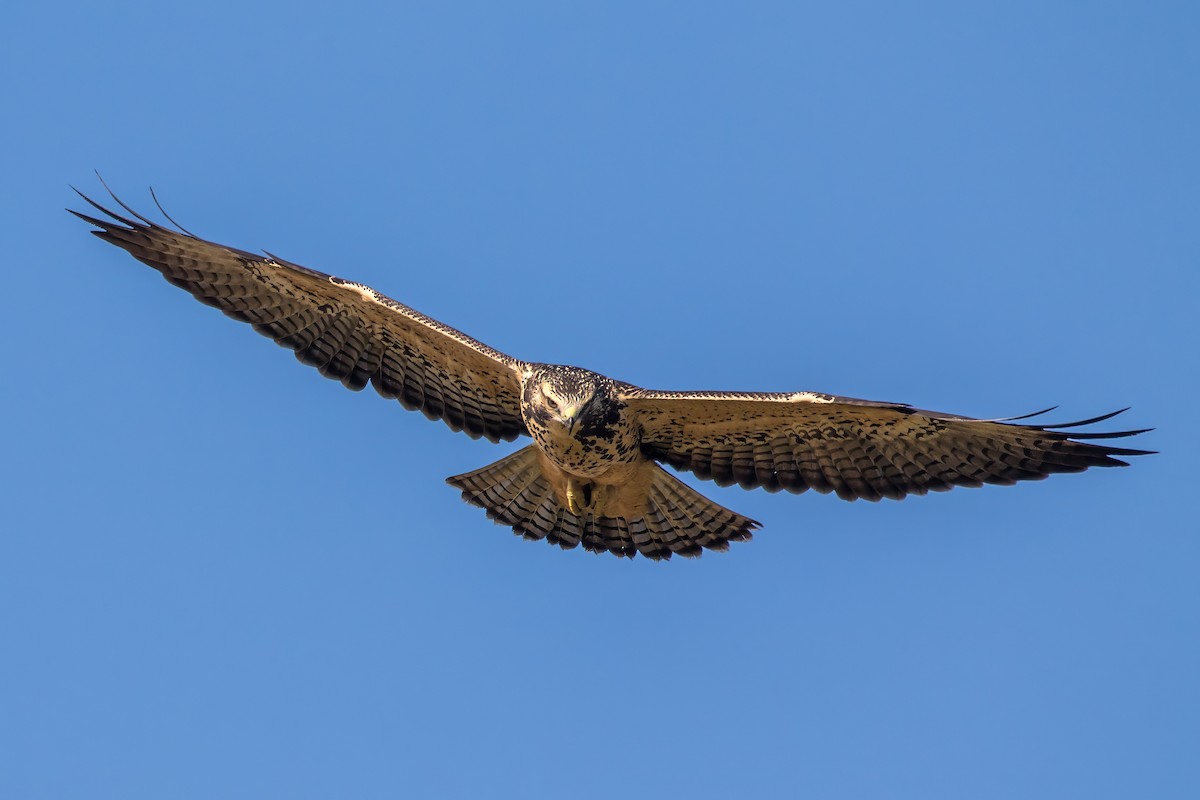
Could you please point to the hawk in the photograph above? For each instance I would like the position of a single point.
(591, 475)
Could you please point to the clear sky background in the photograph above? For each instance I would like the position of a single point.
(224, 576)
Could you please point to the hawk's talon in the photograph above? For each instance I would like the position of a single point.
(577, 497)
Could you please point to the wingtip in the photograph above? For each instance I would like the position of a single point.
(99, 223)
(170, 219)
(1106, 435)
(1082, 422)
(1034, 414)
(105, 211)
(82, 196)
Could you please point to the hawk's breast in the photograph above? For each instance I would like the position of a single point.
(603, 438)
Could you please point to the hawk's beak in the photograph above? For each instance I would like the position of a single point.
(571, 417)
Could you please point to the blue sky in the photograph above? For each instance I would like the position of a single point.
(223, 576)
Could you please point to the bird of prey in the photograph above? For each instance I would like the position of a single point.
(591, 475)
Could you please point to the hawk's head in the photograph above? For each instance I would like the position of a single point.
(566, 397)
(576, 418)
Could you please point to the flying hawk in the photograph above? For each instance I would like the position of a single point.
(591, 475)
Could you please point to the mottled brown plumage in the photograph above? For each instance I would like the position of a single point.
(589, 477)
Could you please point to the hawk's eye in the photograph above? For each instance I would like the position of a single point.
(551, 403)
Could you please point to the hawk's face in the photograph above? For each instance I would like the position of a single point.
(563, 397)
(576, 418)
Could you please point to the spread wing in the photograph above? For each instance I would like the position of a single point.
(348, 331)
(856, 448)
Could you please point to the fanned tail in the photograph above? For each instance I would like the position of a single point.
(675, 520)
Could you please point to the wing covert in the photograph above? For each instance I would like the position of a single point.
(348, 331)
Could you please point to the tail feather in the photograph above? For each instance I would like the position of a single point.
(674, 529)
(696, 522)
(675, 520)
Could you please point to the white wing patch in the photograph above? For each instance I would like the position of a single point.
(809, 397)
(365, 291)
